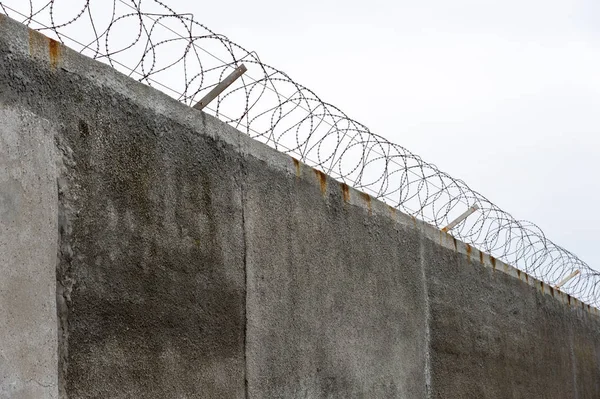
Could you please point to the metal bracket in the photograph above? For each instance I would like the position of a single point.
(566, 279)
(459, 219)
(218, 89)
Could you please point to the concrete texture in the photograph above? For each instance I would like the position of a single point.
(194, 262)
(335, 294)
(150, 276)
(28, 248)
(493, 336)
(153, 281)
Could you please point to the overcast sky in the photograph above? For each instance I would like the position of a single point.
(502, 94)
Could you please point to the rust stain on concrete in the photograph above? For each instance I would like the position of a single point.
(297, 165)
(367, 199)
(345, 192)
(322, 180)
(42, 47)
(54, 53)
(36, 43)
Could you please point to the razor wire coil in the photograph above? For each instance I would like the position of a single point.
(150, 42)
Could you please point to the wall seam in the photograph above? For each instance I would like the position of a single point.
(245, 266)
(573, 361)
(64, 281)
(427, 369)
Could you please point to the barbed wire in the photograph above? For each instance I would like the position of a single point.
(150, 42)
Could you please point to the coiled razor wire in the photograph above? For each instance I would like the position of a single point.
(150, 42)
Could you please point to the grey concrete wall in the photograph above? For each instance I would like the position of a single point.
(149, 268)
(195, 262)
(336, 302)
(154, 291)
(494, 336)
(28, 248)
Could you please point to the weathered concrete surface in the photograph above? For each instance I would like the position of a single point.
(28, 248)
(493, 336)
(336, 305)
(150, 266)
(194, 262)
(154, 291)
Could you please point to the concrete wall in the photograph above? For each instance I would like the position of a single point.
(28, 248)
(194, 262)
(335, 293)
(150, 274)
(494, 336)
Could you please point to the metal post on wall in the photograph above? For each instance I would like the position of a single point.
(218, 89)
(459, 219)
(566, 279)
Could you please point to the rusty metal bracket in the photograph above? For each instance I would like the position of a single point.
(566, 279)
(459, 219)
(218, 89)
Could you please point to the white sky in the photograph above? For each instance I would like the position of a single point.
(502, 94)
